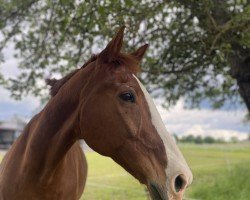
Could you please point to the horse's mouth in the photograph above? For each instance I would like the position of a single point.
(156, 192)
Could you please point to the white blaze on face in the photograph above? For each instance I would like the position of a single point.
(176, 163)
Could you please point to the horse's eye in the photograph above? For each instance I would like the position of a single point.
(128, 96)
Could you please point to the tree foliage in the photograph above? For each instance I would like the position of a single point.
(201, 140)
(198, 49)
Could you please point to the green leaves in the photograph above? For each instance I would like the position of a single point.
(190, 42)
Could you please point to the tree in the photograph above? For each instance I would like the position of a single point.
(198, 49)
(188, 139)
(210, 140)
(234, 139)
(198, 140)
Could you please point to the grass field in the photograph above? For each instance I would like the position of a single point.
(221, 172)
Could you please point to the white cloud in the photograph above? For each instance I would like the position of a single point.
(9, 67)
(226, 134)
(9, 106)
(6, 98)
(204, 122)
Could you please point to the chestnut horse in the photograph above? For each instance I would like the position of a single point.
(105, 104)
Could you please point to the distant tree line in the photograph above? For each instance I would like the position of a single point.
(198, 139)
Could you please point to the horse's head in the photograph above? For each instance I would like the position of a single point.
(119, 119)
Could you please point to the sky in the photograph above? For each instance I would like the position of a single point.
(178, 120)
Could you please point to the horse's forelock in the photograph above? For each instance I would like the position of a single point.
(121, 60)
(127, 61)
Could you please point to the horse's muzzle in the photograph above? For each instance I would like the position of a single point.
(157, 192)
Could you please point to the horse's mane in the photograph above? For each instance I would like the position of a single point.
(121, 60)
(57, 84)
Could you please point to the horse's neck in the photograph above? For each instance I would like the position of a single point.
(51, 135)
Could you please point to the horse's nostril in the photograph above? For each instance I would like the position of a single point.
(179, 183)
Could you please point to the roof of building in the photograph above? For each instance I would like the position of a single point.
(14, 123)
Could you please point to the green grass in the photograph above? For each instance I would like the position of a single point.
(107, 180)
(221, 172)
(232, 185)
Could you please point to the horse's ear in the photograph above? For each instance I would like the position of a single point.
(138, 54)
(113, 48)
